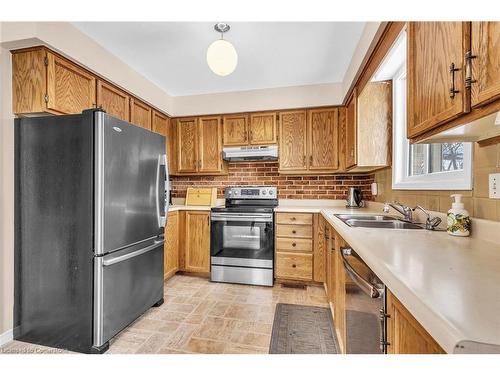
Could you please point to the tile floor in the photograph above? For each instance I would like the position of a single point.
(203, 317)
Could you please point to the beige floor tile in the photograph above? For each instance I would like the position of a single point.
(251, 339)
(216, 328)
(244, 349)
(219, 309)
(242, 311)
(153, 344)
(198, 345)
(179, 338)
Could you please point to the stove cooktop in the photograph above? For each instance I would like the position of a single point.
(244, 209)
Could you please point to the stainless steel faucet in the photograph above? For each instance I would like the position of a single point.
(431, 222)
(406, 211)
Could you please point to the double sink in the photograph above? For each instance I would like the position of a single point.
(377, 221)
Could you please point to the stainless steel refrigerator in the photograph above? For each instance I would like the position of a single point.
(90, 211)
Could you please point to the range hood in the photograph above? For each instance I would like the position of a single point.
(247, 153)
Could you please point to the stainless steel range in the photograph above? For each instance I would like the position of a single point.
(242, 236)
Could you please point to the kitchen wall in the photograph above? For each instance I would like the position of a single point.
(486, 161)
(6, 196)
(289, 187)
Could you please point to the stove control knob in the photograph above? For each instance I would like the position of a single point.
(271, 192)
(264, 192)
(236, 192)
(229, 192)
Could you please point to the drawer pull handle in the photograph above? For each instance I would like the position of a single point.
(293, 218)
(294, 231)
(294, 244)
(294, 265)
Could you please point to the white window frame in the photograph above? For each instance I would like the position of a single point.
(450, 180)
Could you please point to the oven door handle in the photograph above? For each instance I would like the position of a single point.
(370, 289)
(251, 218)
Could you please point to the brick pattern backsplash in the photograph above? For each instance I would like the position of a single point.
(289, 187)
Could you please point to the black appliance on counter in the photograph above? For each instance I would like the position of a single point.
(242, 236)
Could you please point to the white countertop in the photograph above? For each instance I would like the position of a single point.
(451, 285)
(182, 207)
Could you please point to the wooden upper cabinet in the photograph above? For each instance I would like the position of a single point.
(187, 145)
(292, 141)
(374, 125)
(159, 123)
(113, 100)
(323, 140)
(235, 129)
(351, 131)
(435, 74)
(210, 144)
(262, 130)
(45, 82)
(485, 46)
(405, 334)
(197, 241)
(140, 114)
(70, 89)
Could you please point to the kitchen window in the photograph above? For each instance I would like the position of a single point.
(436, 166)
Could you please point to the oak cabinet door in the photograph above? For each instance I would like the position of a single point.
(435, 74)
(292, 141)
(187, 145)
(235, 130)
(330, 263)
(29, 79)
(161, 124)
(323, 139)
(140, 114)
(210, 144)
(197, 241)
(70, 89)
(351, 131)
(263, 128)
(405, 334)
(339, 295)
(171, 257)
(485, 46)
(319, 250)
(374, 124)
(113, 100)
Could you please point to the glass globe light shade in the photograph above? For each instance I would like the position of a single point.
(222, 57)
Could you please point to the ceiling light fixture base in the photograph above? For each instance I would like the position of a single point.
(221, 27)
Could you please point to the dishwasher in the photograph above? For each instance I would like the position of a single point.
(365, 304)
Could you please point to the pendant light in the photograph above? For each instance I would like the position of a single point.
(221, 55)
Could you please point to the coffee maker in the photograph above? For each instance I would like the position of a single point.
(354, 198)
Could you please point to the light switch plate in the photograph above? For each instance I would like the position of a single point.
(494, 185)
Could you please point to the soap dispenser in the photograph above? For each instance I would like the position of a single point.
(458, 218)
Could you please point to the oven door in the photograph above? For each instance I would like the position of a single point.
(364, 305)
(242, 239)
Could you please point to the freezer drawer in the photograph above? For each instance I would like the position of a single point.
(127, 283)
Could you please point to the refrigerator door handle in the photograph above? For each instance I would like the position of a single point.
(121, 258)
(162, 162)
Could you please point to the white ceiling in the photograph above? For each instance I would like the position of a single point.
(270, 54)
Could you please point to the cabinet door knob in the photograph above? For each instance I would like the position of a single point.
(293, 218)
(294, 231)
(294, 266)
(294, 244)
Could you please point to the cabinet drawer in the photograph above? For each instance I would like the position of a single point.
(295, 231)
(296, 266)
(294, 218)
(293, 244)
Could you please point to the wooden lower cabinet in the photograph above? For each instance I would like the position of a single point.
(339, 294)
(196, 241)
(320, 248)
(171, 257)
(295, 246)
(405, 334)
(294, 265)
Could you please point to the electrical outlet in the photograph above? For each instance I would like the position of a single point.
(494, 185)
